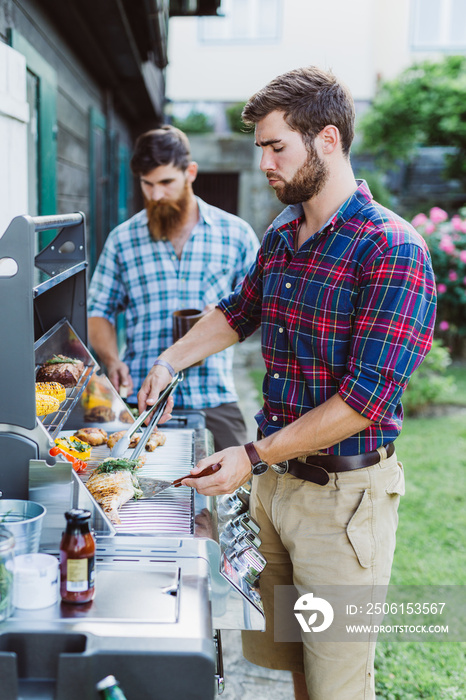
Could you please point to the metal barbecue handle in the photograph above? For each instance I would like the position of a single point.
(45, 223)
(160, 406)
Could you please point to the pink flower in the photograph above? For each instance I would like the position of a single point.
(457, 223)
(429, 228)
(463, 256)
(446, 244)
(452, 276)
(441, 288)
(444, 325)
(419, 220)
(437, 215)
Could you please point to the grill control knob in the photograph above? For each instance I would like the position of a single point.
(246, 523)
(229, 506)
(250, 563)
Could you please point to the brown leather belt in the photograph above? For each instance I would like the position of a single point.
(316, 468)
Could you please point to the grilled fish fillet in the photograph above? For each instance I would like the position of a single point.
(113, 490)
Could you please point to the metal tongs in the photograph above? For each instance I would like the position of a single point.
(158, 408)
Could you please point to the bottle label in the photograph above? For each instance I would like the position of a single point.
(80, 574)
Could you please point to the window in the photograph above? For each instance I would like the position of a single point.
(243, 21)
(438, 25)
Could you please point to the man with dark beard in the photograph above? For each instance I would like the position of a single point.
(344, 292)
(177, 253)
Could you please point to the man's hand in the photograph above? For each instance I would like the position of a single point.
(158, 378)
(118, 373)
(235, 470)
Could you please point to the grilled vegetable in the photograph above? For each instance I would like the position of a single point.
(52, 389)
(46, 404)
(75, 447)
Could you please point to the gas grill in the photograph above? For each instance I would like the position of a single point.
(179, 567)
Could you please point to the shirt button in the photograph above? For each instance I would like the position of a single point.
(288, 285)
(276, 375)
(274, 417)
(280, 330)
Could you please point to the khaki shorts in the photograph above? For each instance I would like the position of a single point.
(312, 535)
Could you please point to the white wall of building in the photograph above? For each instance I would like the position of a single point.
(14, 117)
(360, 41)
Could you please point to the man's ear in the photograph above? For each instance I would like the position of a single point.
(191, 171)
(330, 138)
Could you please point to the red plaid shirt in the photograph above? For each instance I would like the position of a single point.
(352, 311)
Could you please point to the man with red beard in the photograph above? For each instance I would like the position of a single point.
(177, 253)
(344, 293)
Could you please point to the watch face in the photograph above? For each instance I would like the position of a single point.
(259, 468)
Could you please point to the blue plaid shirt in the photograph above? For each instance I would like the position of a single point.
(147, 281)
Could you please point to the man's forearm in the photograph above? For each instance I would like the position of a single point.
(318, 429)
(208, 336)
(103, 340)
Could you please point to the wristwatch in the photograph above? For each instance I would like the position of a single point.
(258, 466)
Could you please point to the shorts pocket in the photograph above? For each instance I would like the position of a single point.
(359, 531)
(397, 486)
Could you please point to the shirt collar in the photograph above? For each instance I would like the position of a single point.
(346, 211)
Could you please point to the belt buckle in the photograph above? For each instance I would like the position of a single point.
(280, 468)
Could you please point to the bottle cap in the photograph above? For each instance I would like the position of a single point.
(106, 682)
(77, 515)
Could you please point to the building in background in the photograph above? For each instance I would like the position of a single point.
(215, 62)
(79, 80)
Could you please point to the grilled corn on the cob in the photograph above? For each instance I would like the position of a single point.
(52, 389)
(46, 404)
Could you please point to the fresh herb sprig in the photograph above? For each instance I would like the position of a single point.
(113, 465)
(61, 360)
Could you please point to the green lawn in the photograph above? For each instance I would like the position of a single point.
(431, 548)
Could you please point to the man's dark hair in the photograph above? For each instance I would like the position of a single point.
(310, 99)
(166, 145)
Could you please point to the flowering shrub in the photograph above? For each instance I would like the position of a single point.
(446, 239)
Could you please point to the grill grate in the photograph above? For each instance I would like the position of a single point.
(172, 510)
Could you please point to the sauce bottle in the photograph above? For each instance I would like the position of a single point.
(77, 558)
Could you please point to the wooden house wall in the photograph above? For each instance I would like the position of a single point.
(77, 94)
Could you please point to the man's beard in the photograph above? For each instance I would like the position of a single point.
(164, 216)
(306, 183)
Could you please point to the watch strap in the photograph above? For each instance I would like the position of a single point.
(252, 453)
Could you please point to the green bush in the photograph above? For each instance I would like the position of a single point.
(429, 382)
(424, 106)
(233, 114)
(194, 123)
(446, 239)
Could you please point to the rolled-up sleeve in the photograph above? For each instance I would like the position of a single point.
(392, 332)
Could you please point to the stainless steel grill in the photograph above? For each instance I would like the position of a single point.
(164, 584)
(173, 510)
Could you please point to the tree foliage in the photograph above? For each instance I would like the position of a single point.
(424, 106)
